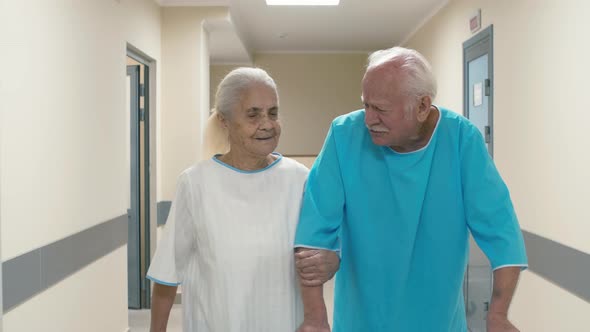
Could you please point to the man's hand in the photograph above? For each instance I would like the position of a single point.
(310, 327)
(316, 266)
(498, 322)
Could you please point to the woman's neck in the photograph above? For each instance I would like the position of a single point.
(246, 161)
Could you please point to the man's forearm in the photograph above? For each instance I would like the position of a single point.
(162, 301)
(505, 280)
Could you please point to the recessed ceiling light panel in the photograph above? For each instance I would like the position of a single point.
(302, 2)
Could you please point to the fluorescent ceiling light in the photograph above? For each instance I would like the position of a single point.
(302, 2)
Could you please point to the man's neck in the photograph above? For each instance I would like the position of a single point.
(424, 134)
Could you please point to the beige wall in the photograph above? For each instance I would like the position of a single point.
(185, 93)
(540, 306)
(541, 77)
(307, 161)
(89, 300)
(216, 74)
(313, 90)
(64, 158)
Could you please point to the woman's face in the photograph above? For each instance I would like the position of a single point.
(254, 127)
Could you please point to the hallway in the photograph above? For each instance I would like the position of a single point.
(68, 164)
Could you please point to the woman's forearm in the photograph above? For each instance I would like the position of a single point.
(314, 307)
(162, 300)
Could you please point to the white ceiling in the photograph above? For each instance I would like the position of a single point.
(353, 26)
(225, 44)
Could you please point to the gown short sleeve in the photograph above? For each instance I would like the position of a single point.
(488, 206)
(175, 248)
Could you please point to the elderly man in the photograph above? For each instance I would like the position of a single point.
(396, 189)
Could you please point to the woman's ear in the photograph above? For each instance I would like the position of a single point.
(222, 120)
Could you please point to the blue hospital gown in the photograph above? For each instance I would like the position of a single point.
(401, 222)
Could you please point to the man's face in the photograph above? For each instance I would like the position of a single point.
(390, 113)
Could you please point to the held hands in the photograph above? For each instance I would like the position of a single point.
(315, 267)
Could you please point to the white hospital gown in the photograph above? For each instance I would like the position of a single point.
(229, 241)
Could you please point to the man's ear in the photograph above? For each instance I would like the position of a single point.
(424, 108)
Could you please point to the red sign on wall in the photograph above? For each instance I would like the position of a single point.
(475, 21)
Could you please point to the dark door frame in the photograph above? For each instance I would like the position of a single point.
(133, 246)
(144, 229)
(476, 46)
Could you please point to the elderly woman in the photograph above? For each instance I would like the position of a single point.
(229, 236)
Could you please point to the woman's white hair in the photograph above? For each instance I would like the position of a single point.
(420, 80)
(234, 84)
(228, 96)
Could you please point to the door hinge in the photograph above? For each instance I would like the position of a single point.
(487, 86)
(141, 114)
(488, 134)
(141, 90)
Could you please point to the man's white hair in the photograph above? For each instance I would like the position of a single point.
(419, 81)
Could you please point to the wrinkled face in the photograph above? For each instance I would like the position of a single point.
(390, 114)
(254, 127)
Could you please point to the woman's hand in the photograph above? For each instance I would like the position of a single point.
(314, 327)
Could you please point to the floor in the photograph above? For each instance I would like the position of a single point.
(139, 320)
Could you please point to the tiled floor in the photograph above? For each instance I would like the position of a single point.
(139, 320)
